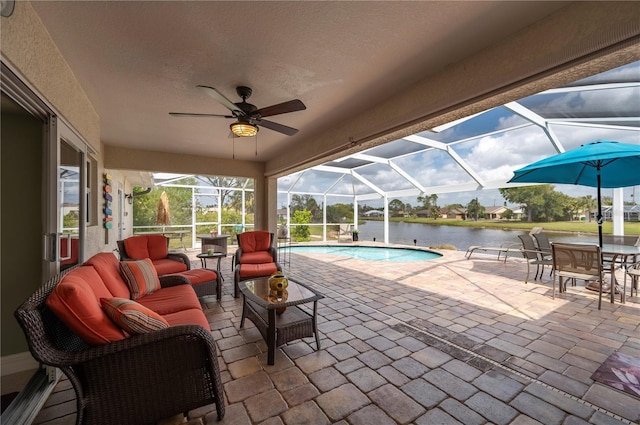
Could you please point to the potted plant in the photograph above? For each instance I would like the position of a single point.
(354, 234)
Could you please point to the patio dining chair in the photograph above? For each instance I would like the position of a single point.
(576, 262)
(633, 271)
(533, 256)
(542, 240)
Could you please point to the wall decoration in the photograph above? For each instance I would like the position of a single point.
(108, 219)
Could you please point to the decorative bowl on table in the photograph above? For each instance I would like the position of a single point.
(278, 283)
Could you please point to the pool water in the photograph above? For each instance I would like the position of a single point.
(373, 253)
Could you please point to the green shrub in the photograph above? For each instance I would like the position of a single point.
(300, 232)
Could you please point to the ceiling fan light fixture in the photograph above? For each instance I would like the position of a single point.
(243, 129)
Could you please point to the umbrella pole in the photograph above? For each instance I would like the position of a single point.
(600, 239)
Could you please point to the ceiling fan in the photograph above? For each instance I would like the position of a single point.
(248, 117)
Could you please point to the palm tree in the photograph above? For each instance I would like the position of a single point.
(474, 209)
(589, 203)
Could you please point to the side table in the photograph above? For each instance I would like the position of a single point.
(260, 305)
(205, 256)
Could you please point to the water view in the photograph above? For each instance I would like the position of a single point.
(460, 237)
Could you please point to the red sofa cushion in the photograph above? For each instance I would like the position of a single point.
(188, 317)
(171, 299)
(76, 302)
(258, 240)
(108, 267)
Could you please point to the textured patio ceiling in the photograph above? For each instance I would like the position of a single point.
(481, 151)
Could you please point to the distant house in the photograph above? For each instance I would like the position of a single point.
(423, 213)
(517, 213)
(455, 213)
(373, 213)
(494, 213)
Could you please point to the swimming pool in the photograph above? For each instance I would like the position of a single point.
(374, 253)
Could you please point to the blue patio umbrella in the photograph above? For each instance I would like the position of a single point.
(602, 163)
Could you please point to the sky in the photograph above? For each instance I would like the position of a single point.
(491, 151)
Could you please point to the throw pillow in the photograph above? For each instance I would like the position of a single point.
(132, 317)
(141, 277)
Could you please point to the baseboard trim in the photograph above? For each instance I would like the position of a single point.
(14, 363)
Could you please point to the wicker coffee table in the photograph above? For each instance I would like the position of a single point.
(265, 308)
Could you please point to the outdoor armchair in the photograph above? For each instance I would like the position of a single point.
(156, 248)
(577, 262)
(255, 257)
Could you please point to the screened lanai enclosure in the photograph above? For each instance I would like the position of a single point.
(470, 158)
(453, 164)
(197, 205)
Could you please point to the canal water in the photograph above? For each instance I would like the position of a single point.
(461, 237)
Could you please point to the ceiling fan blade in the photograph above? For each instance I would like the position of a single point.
(281, 108)
(187, 114)
(221, 99)
(289, 131)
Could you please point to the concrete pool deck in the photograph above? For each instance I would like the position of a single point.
(445, 341)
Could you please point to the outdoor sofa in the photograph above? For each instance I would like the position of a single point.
(129, 361)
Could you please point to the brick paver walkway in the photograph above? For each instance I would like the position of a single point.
(447, 341)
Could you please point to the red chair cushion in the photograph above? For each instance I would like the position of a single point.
(257, 257)
(136, 247)
(157, 246)
(64, 253)
(259, 240)
(166, 266)
(257, 270)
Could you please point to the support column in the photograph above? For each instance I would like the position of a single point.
(386, 218)
(618, 211)
(268, 219)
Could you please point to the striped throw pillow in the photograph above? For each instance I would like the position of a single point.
(132, 317)
(141, 277)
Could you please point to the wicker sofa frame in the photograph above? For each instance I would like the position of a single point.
(139, 380)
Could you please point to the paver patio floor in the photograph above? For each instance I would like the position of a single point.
(446, 341)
